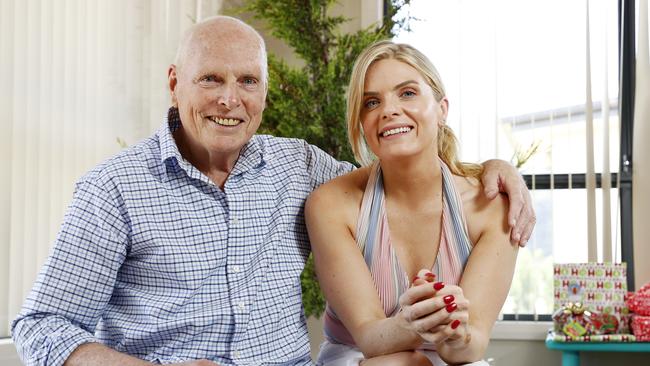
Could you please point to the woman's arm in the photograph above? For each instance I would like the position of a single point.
(485, 281)
(330, 214)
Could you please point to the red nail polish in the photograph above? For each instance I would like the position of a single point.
(448, 299)
(455, 324)
(429, 277)
(438, 286)
(415, 278)
(451, 307)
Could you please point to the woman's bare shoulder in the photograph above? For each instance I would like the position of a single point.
(481, 212)
(346, 187)
(473, 197)
(341, 196)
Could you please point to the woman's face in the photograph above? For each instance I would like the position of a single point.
(399, 114)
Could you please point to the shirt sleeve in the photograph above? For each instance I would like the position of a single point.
(322, 167)
(77, 280)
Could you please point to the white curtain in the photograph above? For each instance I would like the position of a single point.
(76, 76)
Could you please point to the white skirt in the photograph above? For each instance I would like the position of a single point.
(333, 354)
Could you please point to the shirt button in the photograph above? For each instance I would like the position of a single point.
(236, 354)
(234, 221)
(242, 306)
(236, 269)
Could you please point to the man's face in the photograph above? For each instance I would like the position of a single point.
(220, 90)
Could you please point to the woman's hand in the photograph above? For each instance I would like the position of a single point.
(436, 312)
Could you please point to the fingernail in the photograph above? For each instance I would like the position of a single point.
(455, 324)
(448, 299)
(415, 278)
(517, 236)
(429, 277)
(438, 286)
(451, 307)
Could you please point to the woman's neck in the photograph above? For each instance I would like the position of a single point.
(412, 181)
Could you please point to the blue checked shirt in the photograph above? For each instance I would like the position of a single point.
(156, 261)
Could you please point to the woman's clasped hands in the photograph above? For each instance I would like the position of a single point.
(438, 312)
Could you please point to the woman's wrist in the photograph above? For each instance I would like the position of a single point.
(388, 335)
(467, 348)
(406, 326)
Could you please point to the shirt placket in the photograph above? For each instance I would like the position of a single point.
(236, 263)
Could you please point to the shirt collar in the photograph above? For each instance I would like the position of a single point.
(250, 157)
(168, 148)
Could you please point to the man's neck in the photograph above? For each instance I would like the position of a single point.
(217, 166)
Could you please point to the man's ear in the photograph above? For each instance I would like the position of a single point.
(172, 81)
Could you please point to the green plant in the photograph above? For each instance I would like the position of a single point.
(521, 155)
(309, 102)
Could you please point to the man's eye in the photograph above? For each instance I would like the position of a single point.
(208, 80)
(371, 103)
(250, 82)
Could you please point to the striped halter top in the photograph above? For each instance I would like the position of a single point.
(373, 239)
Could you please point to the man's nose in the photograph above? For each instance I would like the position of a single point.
(229, 96)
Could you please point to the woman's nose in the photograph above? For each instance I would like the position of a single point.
(390, 108)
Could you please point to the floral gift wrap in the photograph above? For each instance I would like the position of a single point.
(589, 303)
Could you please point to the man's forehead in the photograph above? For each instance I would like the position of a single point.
(237, 67)
(236, 56)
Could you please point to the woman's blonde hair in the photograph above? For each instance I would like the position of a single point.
(382, 50)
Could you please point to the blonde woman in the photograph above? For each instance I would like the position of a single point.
(414, 260)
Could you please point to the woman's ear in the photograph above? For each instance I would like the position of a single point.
(444, 109)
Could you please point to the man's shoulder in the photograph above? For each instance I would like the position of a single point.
(290, 147)
(126, 164)
(283, 149)
(274, 143)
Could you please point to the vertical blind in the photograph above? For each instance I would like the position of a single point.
(480, 50)
(513, 82)
(76, 76)
(641, 149)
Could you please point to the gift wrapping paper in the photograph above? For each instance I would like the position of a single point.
(600, 287)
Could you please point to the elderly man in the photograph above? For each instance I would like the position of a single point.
(188, 246)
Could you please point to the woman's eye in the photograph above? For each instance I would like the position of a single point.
(408, 93)
(371, 103)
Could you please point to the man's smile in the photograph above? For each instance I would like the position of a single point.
(225, 121)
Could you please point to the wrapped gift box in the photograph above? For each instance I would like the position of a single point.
(641, 327)
(599, 287)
